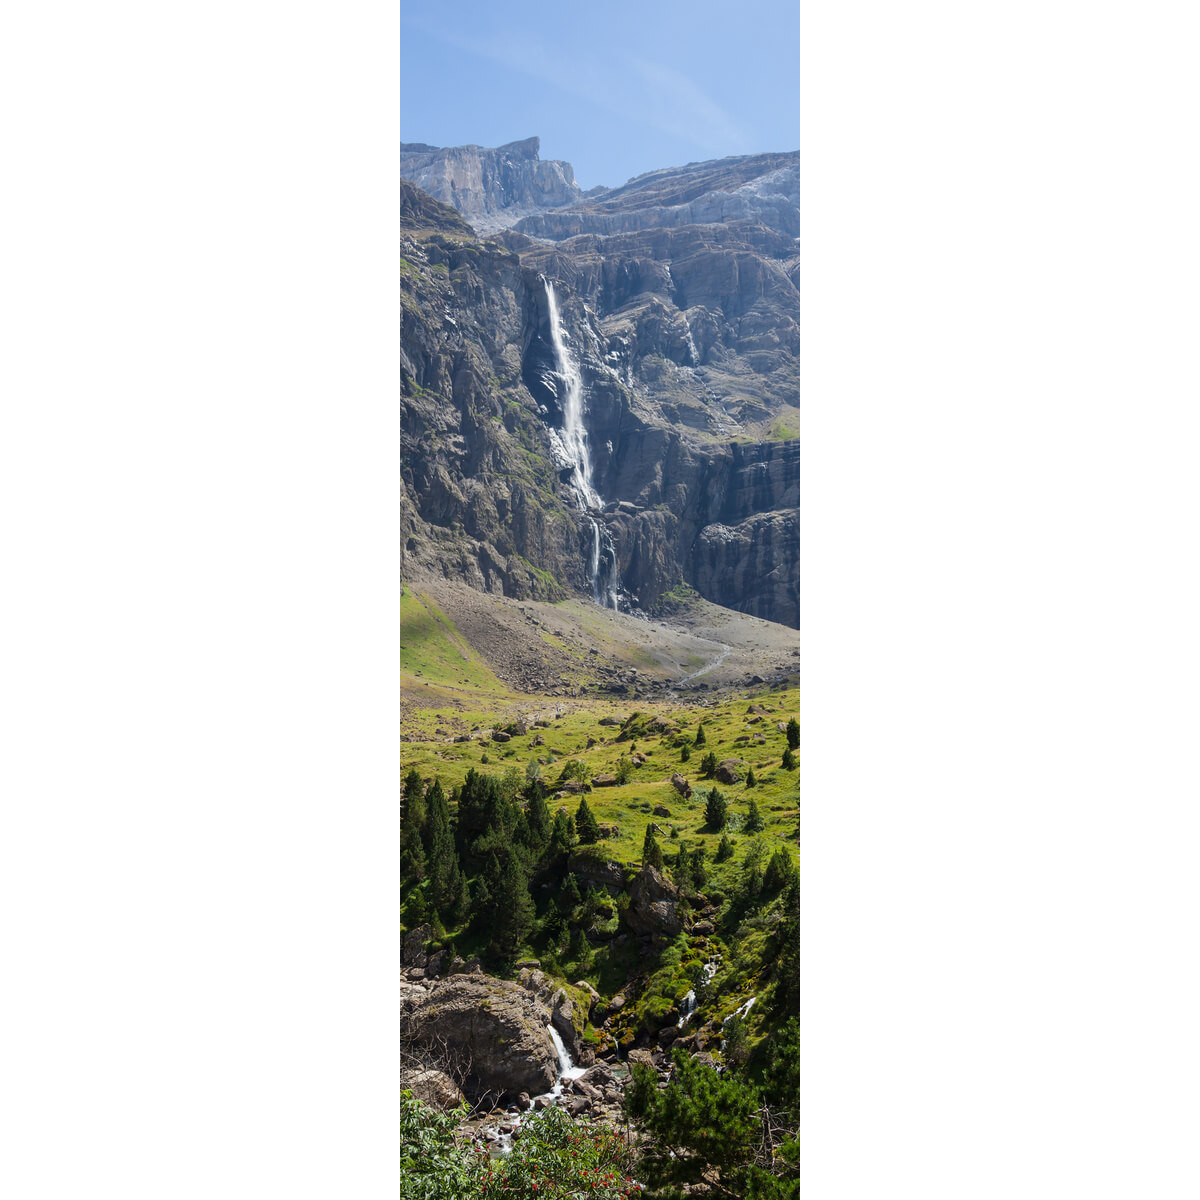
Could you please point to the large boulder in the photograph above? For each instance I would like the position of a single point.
(412, 949)
(653, 904)
(730, 770)
(495, 1033)
(432, 1087)
(599, 872)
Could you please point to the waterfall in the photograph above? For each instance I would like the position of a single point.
(574, 443)
(689, 1001)
(567, 1071)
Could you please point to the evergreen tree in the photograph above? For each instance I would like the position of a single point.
(793, 734)
(702, 1120)
(699, 874)
(569, 896)
(513, 910)
(700, 738)
(651, 851)
(562, 835)
(708, 764)
(585, 823)
(715, 810)
(751, 781)
(724, 849)
(538, 816)
(443, 868)
(789, 760)
(753, 822)
(779, 872)
(685, 753)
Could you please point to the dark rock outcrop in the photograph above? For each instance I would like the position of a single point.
(653, 904)
(493, 1030)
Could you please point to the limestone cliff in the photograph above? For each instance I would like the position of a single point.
(687, 341)
(491, 188)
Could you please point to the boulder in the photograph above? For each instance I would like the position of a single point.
(604, 780)
(495, 1030)
(412, 950)
(597, 871)
(436, 965)
(729, 770)
(661, 810)
(653, 904)
(702, 927)
(611, 721)
(432, 1087)
(498, 735)
(681, 785)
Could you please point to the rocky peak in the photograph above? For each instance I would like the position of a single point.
(490, 188)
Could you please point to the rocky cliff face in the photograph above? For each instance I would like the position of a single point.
(492, 189)
(687, 340)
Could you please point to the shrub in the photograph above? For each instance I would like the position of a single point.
(793, 734)
(624, 769)
(789, 760)
(685, 753)
(715, 810)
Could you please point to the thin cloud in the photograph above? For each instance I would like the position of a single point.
(638, 90)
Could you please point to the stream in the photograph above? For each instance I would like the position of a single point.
(502, 1143)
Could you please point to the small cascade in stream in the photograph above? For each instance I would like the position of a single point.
(567, 1071)
(689, 1001)
(572, 446)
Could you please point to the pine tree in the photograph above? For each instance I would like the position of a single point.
(538, 816)
(793, 734)
(789, 760)
(700, 738)
(562, 835)
(651, 851)
(778, 874)
(753, 822)
(715, 811)
(708, 765)
(513, 908)
(685, 753)
(569, 897)
(443, 868)
(585, 823)
(724, 849)
(751, 781)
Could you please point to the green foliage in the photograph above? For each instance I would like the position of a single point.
(789, 760)
(716, 810)
(513, 910)
(708, 765)
(443, 865)
(554, 1156)
(624, 770)
(752, 822)
(651, 851)
(724, 849)
(699, 1121)
(557, 1157)
(575, 768)
(700, 735)
(737, 1045)
(685, 753)
(586, 826)
(433, 1163)
(793, 734)
(751, 780)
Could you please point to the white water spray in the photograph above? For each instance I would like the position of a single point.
(574, 442)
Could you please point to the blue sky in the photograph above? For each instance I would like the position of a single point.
(615, 87)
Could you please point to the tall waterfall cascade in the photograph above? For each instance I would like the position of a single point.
(573, 446)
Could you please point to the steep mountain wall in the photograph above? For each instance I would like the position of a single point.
(491, 188)
(687, 342)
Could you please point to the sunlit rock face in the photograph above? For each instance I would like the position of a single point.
(676, 301)
(490, 188)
